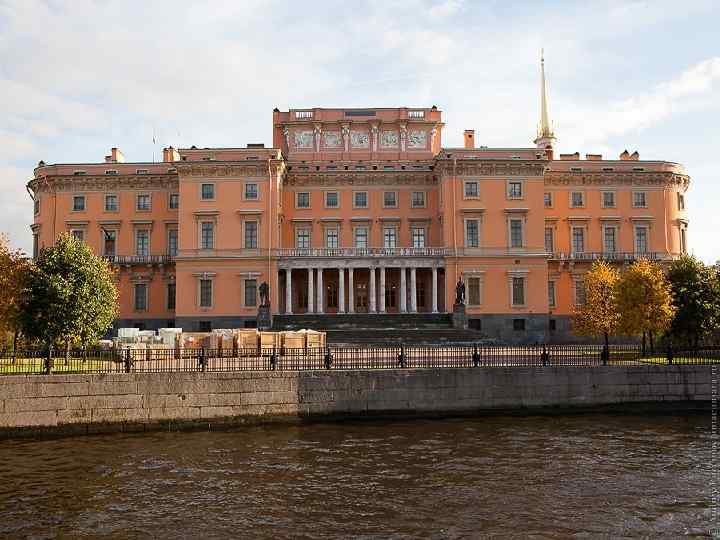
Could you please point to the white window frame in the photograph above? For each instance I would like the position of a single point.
(325, 199)
(117, 202)
(367, 236)
(424, 199)
(82, 236)
(577, 282)
(510, 196)
(103, 241)
(137, 202)
(244, 292)
(582, 201)
(201, 223)
(465, 232)
(637, 228)
(257, 191)
(177, 241)
(552, 199)
(465, 194)
(367, 199)
(137, 236)
(602, 198)
(328, 233)
(170, 197)
(397, 202)
(257, 233)
(299, 230)
(572, 238)
(522, 232)
(214, 191)
(394, 236)
(513, 303)
(552, 239)
(480, 283)
(297, 199)
(415, 228)
(84, 200)
(645, 199)
(147, 297)
(199, 292)
(552, 288)
(605, 228)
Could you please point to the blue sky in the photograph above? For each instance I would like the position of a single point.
(79, 77)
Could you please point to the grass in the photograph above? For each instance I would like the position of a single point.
(23, 366)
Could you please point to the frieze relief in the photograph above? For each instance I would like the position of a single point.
(389, 139)
(659, 178)
(417, 139)
(359, 139)
(350, 179)
(104, 183)
(303, 139)
(447, 168)
(331, 139)
(258, 168)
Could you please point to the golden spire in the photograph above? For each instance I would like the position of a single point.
(544, 130)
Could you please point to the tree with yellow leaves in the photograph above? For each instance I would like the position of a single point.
(599, 315)
(645, 301)
(13, 266)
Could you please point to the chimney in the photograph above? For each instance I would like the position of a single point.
(116, 156)
(570, 157)
(469, 138)
(170, 154)
(593, 157)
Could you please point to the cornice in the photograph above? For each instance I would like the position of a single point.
(253, 168)
(130, 182)
(364, 178)
(488, 168)
(606, 178)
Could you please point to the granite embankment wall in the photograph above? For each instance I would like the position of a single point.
(111, 402)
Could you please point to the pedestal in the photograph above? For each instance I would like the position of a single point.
(459, 317)
(264, 318)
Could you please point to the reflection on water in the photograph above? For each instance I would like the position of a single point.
(539, 477)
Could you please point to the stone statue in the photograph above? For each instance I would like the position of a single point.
(460, 292)
(264, 294)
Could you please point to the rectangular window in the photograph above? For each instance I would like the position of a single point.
(418, 199)
(331, 199)
(577, 199)
(549, 243)
(143, 202)
(36, 245)
(390, 237)
(516, 233)
(514, 190)
(302, 238)
(580, 293)
(303, 200)
(683, 240)
(389, 199)
(608, 199)
(518, 291)
(472, 233)
(141, 303)
(641, 239)
(331, 238)
(206, 293)
(171, 296)
(472, 189)
(78, 234)
(36, 206)
(250, 292)
(251, 235)
(474, 291)
(610, 240)
(111, 203)
(361, 237)
(172, 242)
(551, 293)
(207, 235)
(578, 239)
(681, 201)
(109, 242)
(360, 199)
(639, 199)
(174, 202)
(207, 192)
(251, 191)
(142, 242)
(418, 237)
(519, 325)
(78, 203)
(547, 197)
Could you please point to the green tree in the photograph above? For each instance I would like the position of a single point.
(599, 315)
(644, 301)
(696, 297)
(70, 295)
(13, 268)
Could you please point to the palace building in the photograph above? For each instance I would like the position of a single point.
(363, 211)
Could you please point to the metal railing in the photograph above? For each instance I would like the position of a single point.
(127, 360)
(139, 259)
(363, 252)
(604, 255)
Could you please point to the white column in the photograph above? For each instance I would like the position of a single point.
(311, 290)
(382, 289)
(320, 304)
(351, 292)
(403, 291)
(373, 296)
(288, 291)
(341, 290)
(434, 290)
(413, 291)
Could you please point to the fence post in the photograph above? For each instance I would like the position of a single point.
(202, 361)
(605, 355)
(475, 356)
(401, 357)
(328, 359)
(670, 354)
(128, 361)
(273, 359)
(544, 356)
(48, 361)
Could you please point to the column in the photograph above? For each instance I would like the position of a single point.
(382, 289)
(311, 290)
(403, 291)
(351, 292)
(341, 290)
(434, 290)
(373, 296)
(413, 291)
(320, 304)
(288, 291)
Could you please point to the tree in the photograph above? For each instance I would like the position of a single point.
(696, 297)
(13, 268)
(69, 296)
(599, 315)
(644, 301)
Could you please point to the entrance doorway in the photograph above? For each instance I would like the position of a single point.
(361, 297)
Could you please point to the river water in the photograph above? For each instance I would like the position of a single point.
(579, 476)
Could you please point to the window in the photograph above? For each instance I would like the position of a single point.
(111, 203)
(553, 325)
(78, 203)
(109, 242)
(331, 294)
(514, 190)
(472, 189)
(577, 199)
(608, 199)
(418, 199)
(251, 191)
(547, 197)
(171, 296)
(142, 242)
(331, 238)
(683, 240)
(141, 297)
(474, 287)
(681, 201)
(610, 239)
(361, 237)
(416, 114)
(302, 238)
(641, 239)
(141, 171)
(251, 235)
(360, 199)
(172, 242)
(549, 243)
(250, 292)
(303, 200)
(389, 199)
(418, 237)
(390, 237)
(580, 292)
(36, 206)
(472, 233)
(331, 199)
(518, 291)
(207, 235)
(516, 233)
(111, 171)
(578, 239)
(78, 234)
(143, 202)
(639, 199)
(207, 192)
(206, 293)
(36, 245)
(174, 202)
(551, 293)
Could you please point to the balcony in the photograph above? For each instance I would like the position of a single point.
(363, 252)
(139, 259)
(613, 256)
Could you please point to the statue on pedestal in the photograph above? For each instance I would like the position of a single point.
(264, 294)
(460, 292)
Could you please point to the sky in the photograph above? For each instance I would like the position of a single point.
(78, 77)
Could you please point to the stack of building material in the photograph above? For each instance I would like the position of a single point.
(292, 341)
(196, 340)
(225, 339)
(270, 340)
(170, 336)
(314, 339)
(246, 339)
